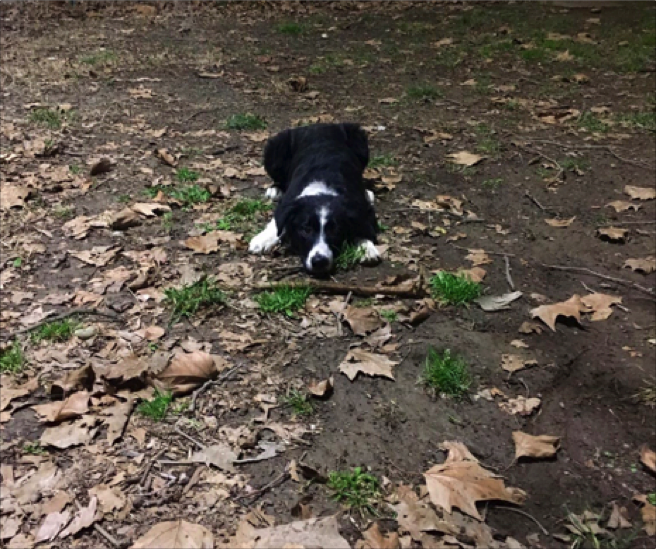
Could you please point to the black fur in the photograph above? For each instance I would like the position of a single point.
(337, 155)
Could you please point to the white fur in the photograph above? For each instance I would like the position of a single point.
(266, 240)
(272, 193)
(371, 197)
(316, 188)
(320, 247)
(371, 254)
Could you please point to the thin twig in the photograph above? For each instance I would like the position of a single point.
(605, 277)
(150, 466)
(211, 382)
(491, 253)
(508, 277)
(524, 513)
(631, 223)
(561, 171)
(189, 438)
(104, 533)
(284, 476)
(61, 316)
(535, 201)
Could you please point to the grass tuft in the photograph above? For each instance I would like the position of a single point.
(102, 57)
(446, 373)
(382, 160)
(245, 121)
(588, 121)
(156, 408)
(298, 402)
(284, 299)
(57, 331)
(641, 120)
(34, 448)
(424, 92)
(11, 359)
(186, 300)
(185, 175)
(452, 289)
(46, 117)
(349, 256)
(242, 212)
(291, 27)
(355, 489)
(389, 315)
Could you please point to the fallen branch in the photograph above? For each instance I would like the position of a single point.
(525, 514)
(344, 289)
(605, 277)
(275, 482)
(537, 203)
(631, 223)
(508, 277)
(62, 316)
(211, 382)
(111, 539)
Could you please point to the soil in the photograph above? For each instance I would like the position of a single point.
(354, 55)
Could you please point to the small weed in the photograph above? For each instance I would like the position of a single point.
(298, 402)
(167, 221)
(588, 121)
(366, 302)
(242, 212)
(355, 489)
(511, 105)
(34, 448)
(16, 263)
(465, 171)
(349, 256)
(651, 498)
(245, 121)
(291, 28)
(46, 117)
(575, 165)
(383, 160)
(126, 198)
(190, 195)
(63, 213)
(642, 120)
(284, 299)
(452, 289)
(156, 409)
(424, 92)
(75, 169)
(329, 61)
(185, 175)
(181, 407)
(389, 315)
(58, 330)
(382, 227)
(483, 84)
(186, 300)
(492, 183)
(647, 394)
(102, 57)
(446, 373)
(11, 359)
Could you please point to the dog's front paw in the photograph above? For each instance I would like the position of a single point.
(371, 254)
(272, 193)
(266, 240)
(371, 197)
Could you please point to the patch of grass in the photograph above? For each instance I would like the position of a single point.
(424, 91)
(291, 28)
(185, 175)
(181, 407)
(16, 263)
(102, 57)
(63, 212)
(382, 227)
(187, 300)
(349, 256)
(588, 121)
(446, 373)
(450, 57)
(46, 117)
(242, 212)
(647, 394)
(56, 331)
(483, 84)
(34, 448)
(574, 164)
(651, 498)
(331, 60)
(12, 359)
(389, 315)
(167, 221)
(125, 198)
(245, 121)
(382, 160)
(642, 120)
(284, 299)
(190, 195)
(355, 489)
(75, 169)
(298, 402)
(365, 302)
(492, 183)
(452, 289)
(156, 408)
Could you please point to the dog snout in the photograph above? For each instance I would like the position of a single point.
(320, 263)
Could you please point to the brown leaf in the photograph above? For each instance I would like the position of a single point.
(103, 165)
(362, 320)
(542, 446)
(203, 244)
(45, 479)
(130, 370)
(77, 380)
(612, 234)
(78, 227)
(375, 539)
(13, 196)
(85, 517)
(152, 333)
(528, 327)
(465, 158)
(648, 512)
(110, 498)
(476, 274)
(177, 534)
(623, 205)
(520, 405)
(165, 156)
(98, 256)
(514, 363)
(417, 517)
(371, 364)
(321, 389)
(9, 393)
(519, 344)
(619, 517)
(599, 305)
(497, 302)
(315, 532)
(68, 434)
(640, 193)
(220, 455)
(549, 313)
(124, 219)
(74, 406)
(648, 458)
(561, 223)
(149, 209)
(388, 101)
(478, 257)
(117, 418)
(645, 265)
(187, 371)
(9, 527)
(51, 526)
(456, 451)
(298, 84)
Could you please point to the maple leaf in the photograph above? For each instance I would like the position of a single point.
(362, 320)
(599, 305)
(514, 363)
(177, 534)
(640, 193)
(612, 234)
(645, 265)
(549, 313)
(371, 364)
(465, 158)
(203, 244)
(561, 223)
(623, 205)
(542, 446)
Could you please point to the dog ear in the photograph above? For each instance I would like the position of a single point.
(277, 157)
(285, 212)
(356, 139)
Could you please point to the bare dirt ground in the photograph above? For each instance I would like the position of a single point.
(555, 107)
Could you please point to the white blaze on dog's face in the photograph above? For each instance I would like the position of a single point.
(320, 257)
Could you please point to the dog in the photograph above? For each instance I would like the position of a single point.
(317, 173)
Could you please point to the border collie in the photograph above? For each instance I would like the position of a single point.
(318, 170)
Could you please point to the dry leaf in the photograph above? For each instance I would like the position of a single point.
(74, 406)
(269, 450)
(117, 418)
(187, 371)
(645, 265)
(564, 56)
(9, 393)
(124, 219)
(312, 533)
(456, 451)
(549, 313)
(9, 527)
(109, 498)
(388, 101)
(465, 158)
(152, 333)
(542, 446)
(640, 193)
(478, 257)
(530, 327)
(497, 302)
(612, 234)
(514, 363)
(30, 489)
(475, 274)
(521, 405)
(13, 196)
(443, 42)
(203, 244)
(130, 370)
(648, 512)
(599, 305)
(98, 256)
(85, 517)
(623, 205)
(321, 389)
(417, 517)
(371, 364)
(166, 157)
(67, 435)
(362, 320)
(619, 517)
(519, 344)
(648, 458)
(51, 526)
(150, 209)
(560, 222)
(375, 539)
(177, 534)
(77, 380)
(220, 455)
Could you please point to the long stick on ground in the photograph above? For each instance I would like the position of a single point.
(344, 289)
(211, 382)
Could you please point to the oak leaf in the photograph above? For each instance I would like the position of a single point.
(542, 446)
(176, 534)
(371, 364)
(549, 313)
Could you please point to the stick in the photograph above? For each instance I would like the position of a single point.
(541, 154)
(632, 223)
(344, 289)
(491, 253)
(104, 533)
(189, 438)
(211, 382)
(535, 201)
(605, 277)
(61, 316)
(508, 277)
(275, 482)
(524, 513)
(150, 466)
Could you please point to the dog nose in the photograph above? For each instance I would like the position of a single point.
(320, 263)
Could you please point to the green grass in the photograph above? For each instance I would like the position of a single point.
(16, 263)
(46, 117)
(382, 160)
(382, 227)
(12, 359)
(291, 28)
(424, 91)
(651, 498)
(349, 256)
(167, 221)
(492, 183)
(588, 121)
(574, 164)
(102, 57)
(56, 331)
(187, 300)
(284, 299)
(185, 175)
(389, 315)
(126, 198)
(446, 373)
(63, 212)
(245, 121)
(34, 448)
(330, 60)
(452, 289)
(641, 120)
(156, 408)
(242, 212)
(75, 169)
(298, 402)
(355, 489)
(187, 195)
(365, 302)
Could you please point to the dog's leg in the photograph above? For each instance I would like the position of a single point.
(371, 254)
(371, 197)
(266, 240)
(272, 193)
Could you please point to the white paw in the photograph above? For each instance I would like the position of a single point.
(371, 254)
(272, 193)
(266, 240)
(371, 197)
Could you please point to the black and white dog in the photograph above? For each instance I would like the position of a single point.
(324, 204)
